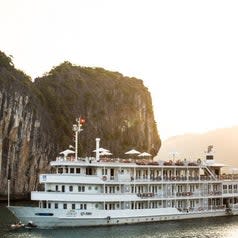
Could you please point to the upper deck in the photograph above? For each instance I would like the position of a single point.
(154, 170)
(117, 162)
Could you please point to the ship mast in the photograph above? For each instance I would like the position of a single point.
(77, 129)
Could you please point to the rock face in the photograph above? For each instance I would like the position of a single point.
(36, 118)
(25, 142)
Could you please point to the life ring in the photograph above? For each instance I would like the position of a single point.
(104, 178)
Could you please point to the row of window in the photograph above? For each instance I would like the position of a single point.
(82, 206)
(136, 189)
(72, 188)
(139, 173)
(69, 170)
(230, 186)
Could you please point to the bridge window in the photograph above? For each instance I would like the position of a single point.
(72, 170)
(77, 170)
(60, 170)
(81, 188)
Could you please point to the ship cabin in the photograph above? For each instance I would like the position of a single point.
(113, 184)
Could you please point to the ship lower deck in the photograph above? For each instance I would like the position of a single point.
(44, 218)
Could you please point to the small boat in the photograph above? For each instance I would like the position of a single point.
(30, 225)
(17, 225)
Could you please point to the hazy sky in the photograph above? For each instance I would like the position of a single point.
(186, 52)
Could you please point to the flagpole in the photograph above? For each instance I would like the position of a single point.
(8, 192)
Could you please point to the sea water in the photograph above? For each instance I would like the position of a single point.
(219, 227)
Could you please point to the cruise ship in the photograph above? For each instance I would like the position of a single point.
(102, 191)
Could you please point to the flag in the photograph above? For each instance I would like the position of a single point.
(82, 120)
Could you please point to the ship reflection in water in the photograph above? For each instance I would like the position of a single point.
(222, 227)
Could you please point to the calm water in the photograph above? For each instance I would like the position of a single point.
(224, 227)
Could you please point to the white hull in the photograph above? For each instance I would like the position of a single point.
(99, 218)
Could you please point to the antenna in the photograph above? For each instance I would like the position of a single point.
(173, 154)
(77, 129)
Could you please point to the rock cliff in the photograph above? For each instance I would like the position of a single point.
(36, 118)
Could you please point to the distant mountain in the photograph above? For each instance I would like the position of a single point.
(192, 146)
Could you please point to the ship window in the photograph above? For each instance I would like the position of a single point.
(89, 171)
(230, 186)
(49, 205)
(85, 206)
(65, 206)
(44, 214)
(66, 170)
(56, 205)
(77, 170)
(81, 206)
(63, 188)
(81, 188)
(71, 188)
(56, 188)
(60, 170)
(73, 206)
(224, 186)
(72, 170)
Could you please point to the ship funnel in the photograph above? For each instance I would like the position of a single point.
(97, 149)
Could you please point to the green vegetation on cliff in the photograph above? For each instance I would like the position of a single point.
(36, 118)
(118, 109)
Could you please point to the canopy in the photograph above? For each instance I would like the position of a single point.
(144, 154)
(105, 153)
(132, 152)
(101, 150)
(66, 152)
